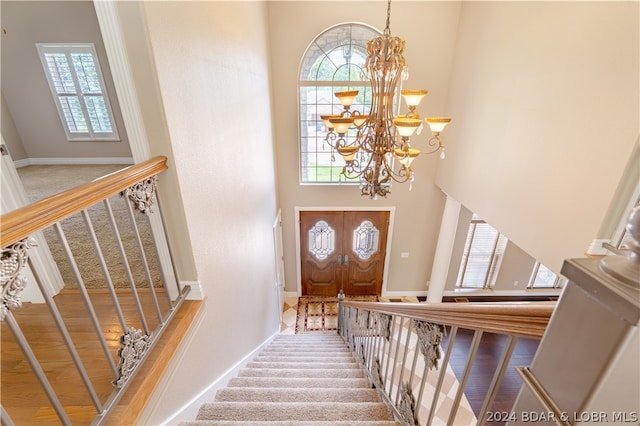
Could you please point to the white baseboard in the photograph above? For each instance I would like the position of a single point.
(288, 294)
(189, 411)
(544, 292)
(596, 247)
(404, 293)
(196, 292)
(72, 161)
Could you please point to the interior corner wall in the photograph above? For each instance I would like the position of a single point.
(212, 62)
(544, 98)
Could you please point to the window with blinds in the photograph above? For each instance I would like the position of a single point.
(78, 89)
(482, 256)
(543, 277)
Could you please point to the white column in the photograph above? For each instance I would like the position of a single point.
(442, 258)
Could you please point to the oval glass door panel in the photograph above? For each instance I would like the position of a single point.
(321, 240)
(365, 240)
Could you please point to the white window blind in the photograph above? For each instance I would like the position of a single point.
(78, 89)
(543, 277)
(482, 256)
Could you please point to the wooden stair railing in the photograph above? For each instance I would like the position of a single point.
(141, 306)
(388, 339)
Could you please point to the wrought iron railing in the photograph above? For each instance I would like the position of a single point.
(137, 272)
(400, 345)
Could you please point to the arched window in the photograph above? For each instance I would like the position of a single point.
(332, 63)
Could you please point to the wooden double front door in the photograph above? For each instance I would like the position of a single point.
(342, 250)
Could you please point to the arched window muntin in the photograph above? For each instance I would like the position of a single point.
(333, 62)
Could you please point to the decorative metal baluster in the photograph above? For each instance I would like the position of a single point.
(143, 257)
(125, 265)
(389, 347)
(105, 270)
(85, 297)
(407, 404)
(475, 343)
(395, 357)
(443, 373)
(13, 258)
(57, 317)
(133, 346)
(497, 379)
(404, 359)
(429, 339)
(37, 369)
(5, 419)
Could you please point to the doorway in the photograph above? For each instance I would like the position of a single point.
(343, 250)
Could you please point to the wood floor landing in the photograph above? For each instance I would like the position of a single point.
(22, 396)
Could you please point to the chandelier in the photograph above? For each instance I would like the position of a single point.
(379, 136)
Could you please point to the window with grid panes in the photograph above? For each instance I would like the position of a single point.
(483, 253)
(332, 63)
(78, 89)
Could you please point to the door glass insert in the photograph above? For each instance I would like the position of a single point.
(365, 240)
(321, 240)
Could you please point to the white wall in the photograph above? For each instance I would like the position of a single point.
(544, 96)
(213, 72)
(430, 31)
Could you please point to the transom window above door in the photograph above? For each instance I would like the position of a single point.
(332, 63)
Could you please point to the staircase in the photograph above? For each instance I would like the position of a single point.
(298, 380)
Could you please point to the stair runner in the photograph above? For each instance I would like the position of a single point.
(298, 380)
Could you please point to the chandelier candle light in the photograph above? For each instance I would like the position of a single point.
(379, 135)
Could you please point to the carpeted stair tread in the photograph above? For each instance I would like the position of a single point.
(279, 411)
(298, 382)
(304, 359)
(308, 365)
(287, 423)
(301, 372)
(297, 395)
(306, 349)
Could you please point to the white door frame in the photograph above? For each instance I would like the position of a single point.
(390, 209)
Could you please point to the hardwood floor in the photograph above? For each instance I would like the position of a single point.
(489, 353)
(22, 396)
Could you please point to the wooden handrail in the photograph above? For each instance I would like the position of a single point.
(523, 319)
(20, 223)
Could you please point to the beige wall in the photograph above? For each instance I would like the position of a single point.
(213, 72)
(430, 30)
(545, 98)
(24, 84)
(10, 133)
(143, 71)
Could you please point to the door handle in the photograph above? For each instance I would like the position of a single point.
(339, 259)
(346, 259)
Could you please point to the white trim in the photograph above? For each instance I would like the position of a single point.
(392, 213)
(13, 197)
(189, 411)
(551, 292)
(196, 292)
(289, 294)
(122, 78)
(72, 161)
(421, 293)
